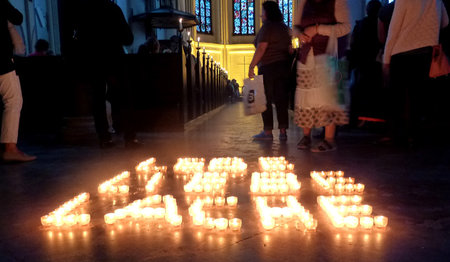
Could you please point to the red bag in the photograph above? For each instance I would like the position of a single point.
(439, 64)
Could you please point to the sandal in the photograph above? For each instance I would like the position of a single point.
(304, 143)
(324, 146)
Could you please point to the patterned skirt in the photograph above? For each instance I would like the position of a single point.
(316, 100)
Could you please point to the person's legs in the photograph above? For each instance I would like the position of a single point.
(99, 111)
(11, 94)
(267, 116)
(280, 98)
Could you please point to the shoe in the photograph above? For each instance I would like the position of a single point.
(263, 137)
(324, 146)
(304, 143)
(133, 144)
(17, 157)
(106, 144)
(282, 136)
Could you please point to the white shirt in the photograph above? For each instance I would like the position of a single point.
(415, 24)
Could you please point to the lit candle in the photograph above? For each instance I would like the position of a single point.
(366, 222)
(349, 188)
(110, 218)
(359, 188)
(84, 219)
(176, 220)
(198, 43)
(70, 220)
(159, 212)
(235, 224)
(221, 223)
(209, 223)
(156, 199)
(311, 224)
(339, 189)
(124, 189)
(351, 222)
(208, 201)
(181, 24)
(232, 201)
(354, 210)
(219, 201)
(268, 223)
(366, 210)
(120, 214)
(199, 218)
(47, 220)
(380, 221)
(356, 200)
(147, 212)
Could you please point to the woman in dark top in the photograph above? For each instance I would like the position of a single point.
(320, 23)
(273, 46)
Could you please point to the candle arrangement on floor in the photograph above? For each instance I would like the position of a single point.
(117, 184)
(153, 183)
(230, 165)
(147, 209)
(347, 211)
(189, 166)
(66, 214)
(271, 217)
(208, 183)
(274, 183)
(334, 182)
(200, 218)
(275, 164)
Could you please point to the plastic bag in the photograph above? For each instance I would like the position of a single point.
(254, 95)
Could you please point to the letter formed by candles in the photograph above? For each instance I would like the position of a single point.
(69, 214)
(277, 182)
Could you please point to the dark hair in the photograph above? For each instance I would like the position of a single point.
(41, 45)
(373, 7)
(273, 12)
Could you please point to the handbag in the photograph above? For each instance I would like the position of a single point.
(254, 95)
(439, 63)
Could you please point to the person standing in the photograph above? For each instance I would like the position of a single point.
(10, 89)
(100, 32)
(273, 46)
(414, 29)
(318, 25)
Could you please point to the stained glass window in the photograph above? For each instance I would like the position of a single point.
(243, 17)
(286, 10)
(203, 13)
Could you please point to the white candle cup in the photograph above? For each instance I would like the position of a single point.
(366, 222)
(380, 221)
(311, 224)
(47, 220)
(70, 220)
(147, 213)
(219, 201)
(120, 214)
(351, 222)
(232, 201)
(84, 219)
(268, 223)
(176, 220)
(110, 218)
(159, 212)
(366, 210)
(209, 223)
(359, 188)
(124, 189)
(235, 224)
(221, 223)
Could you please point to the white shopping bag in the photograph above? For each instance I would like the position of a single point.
(254, 96)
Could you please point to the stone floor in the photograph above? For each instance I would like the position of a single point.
(411, 187)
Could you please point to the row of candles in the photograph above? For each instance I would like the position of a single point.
(350, 216)
(268, 164)
(189, 166)
(114, 185)
(63, 215)
(199, 218)
(153, 182)
(269, 216)
(144, 209)
(335, 182)
(145, 167)
(274, 183)
(211, 183)
(231, 165)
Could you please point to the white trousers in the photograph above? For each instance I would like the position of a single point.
(11, 94)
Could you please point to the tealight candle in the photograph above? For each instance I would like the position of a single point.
(113, 189)
(366, 222)
(156, 199)
(359, 188)
(103, 188)
(70, 220)
(235, 224)
(356, 200)
(147, 212)
(219, 201)
(338, 222)
(366, 210)
(159, 212)
(84, 219)
(354, 210)
(339, 173)
(124, 189)
(340, 180)
(110, 218)
(208, 201)
(268, 223)
(349, 188)
(339, 189)
(198, 219)
(120, 214)
(167, 197)
(311, 224)
(380, 221)
(232, 201)
(47, 220)
(351, 222)
(350, 180)
(221, 223)
(209, 223)
(176, 220)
